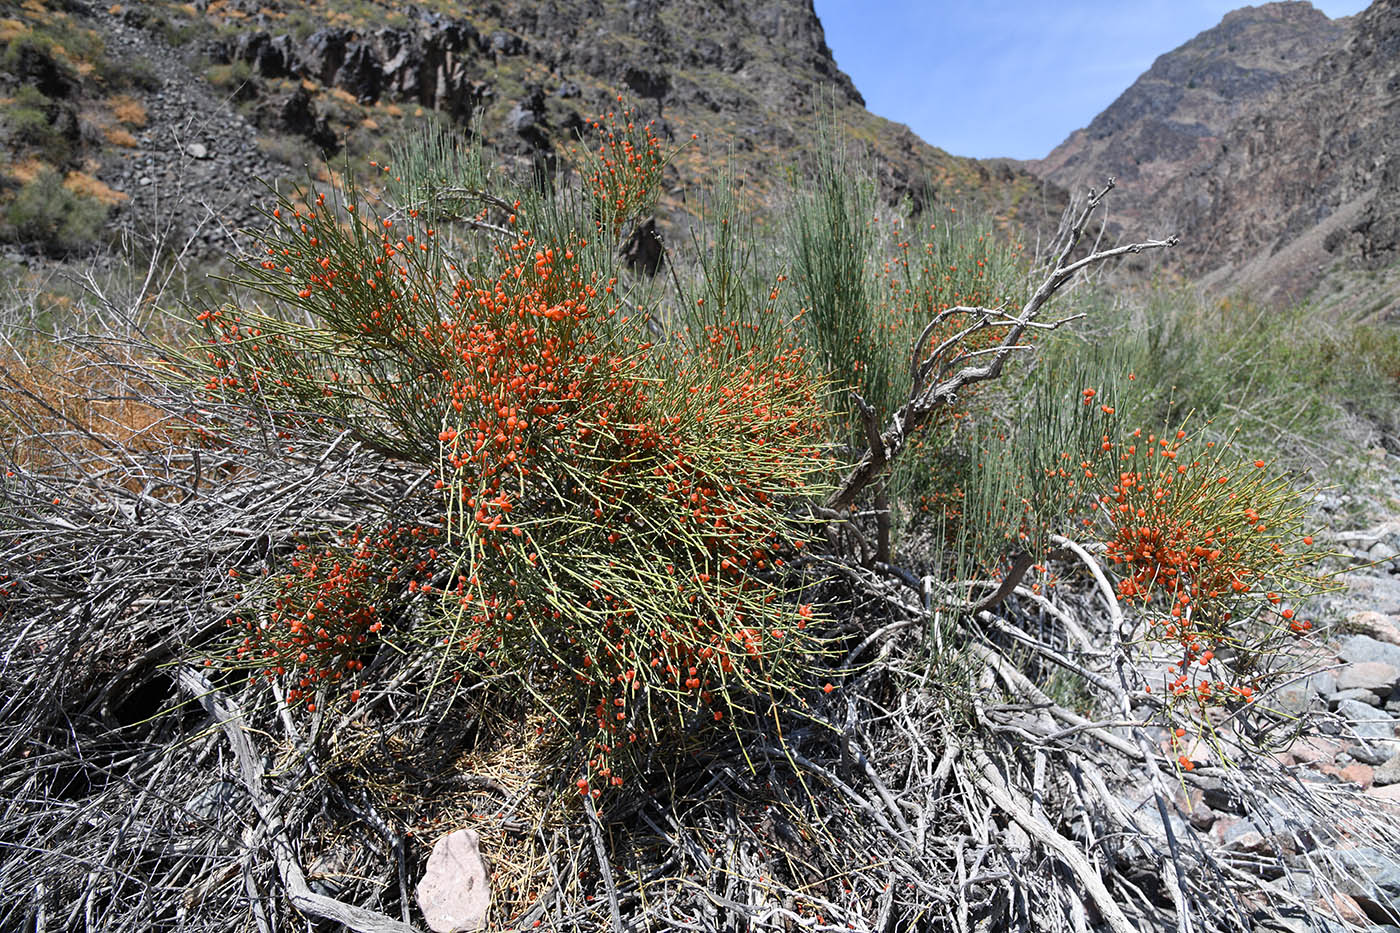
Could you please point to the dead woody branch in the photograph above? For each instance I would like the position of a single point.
(930, 388)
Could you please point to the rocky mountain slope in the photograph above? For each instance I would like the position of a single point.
(1311, 181)
(1268, 144)
(228, 91)
(1172, 117)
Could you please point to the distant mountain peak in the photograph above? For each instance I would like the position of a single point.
(1169, 117)
(1250, 138)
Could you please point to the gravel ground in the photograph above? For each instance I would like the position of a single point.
(198, 171)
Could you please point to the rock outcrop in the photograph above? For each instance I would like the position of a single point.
(755, 78)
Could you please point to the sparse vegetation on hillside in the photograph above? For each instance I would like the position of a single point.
(47, 213)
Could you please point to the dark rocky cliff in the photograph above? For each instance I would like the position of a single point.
(754, 77)
(1310, 181)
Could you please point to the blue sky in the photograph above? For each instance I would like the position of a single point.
(1008, 77)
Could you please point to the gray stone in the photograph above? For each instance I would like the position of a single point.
(1150, 818)
(1318, 924)
(1373, 751)
(1295, 698)
(1217, 795)
(1327, 503)
(197, 151)
(1388, 773)
(521, 119)
(1380, 627)
(1367, 722)
(214, 802)
(1371, 877)
(1244, 836)
(454, 892)
(1379, 592)
(1324, 682)
(1312, 749)
(1365, 648)
(1383, 553)
(1202, 817)
(1355, 694)
(503, 43)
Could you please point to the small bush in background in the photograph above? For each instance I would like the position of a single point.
(46, 214)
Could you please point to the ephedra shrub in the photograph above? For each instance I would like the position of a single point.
(612, 483)
(1207, 546)
(866, 279)
(605, 515)
(1212, 555)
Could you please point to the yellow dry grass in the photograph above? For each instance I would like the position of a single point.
(127, 109)
(81, 183)
(33, 6)
(61, 402)
(500, 788)
(118, 136)
(11, 29)
(26, 171)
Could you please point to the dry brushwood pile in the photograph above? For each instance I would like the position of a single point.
(780, 590)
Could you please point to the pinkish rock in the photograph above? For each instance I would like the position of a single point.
(455, 893)
(1347, 909)
(1390, 792)
(1354, 773)
(1357, 773)
(1221, 826)
(1380, 627)
(1202, 817)
(1250, 840)
(1376, 676)
(1313, 749)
